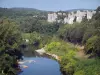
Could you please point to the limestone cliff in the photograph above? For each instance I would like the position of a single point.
(71, 16)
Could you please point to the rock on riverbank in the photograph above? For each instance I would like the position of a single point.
(42, 52)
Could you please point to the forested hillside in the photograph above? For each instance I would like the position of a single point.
(18, 12)
(25, 17)
(86, 33)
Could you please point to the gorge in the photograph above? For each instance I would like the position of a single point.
(72, 36)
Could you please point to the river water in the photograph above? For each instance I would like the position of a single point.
(40, 66)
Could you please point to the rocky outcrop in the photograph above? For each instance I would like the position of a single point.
(70, 17)
(42, 52)
(52, 17)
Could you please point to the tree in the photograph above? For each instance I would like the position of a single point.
(93, 46)
(98, 9)
(9, 42)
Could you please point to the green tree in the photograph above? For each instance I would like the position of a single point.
(9, 43)
(93, 46)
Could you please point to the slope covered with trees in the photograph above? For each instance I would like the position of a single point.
(10, 38)
(86, 33)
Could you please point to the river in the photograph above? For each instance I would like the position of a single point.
(40, 66)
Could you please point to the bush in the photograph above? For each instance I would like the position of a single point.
(59, 47)
(80, 72)
(68, 63)
(93, 46)
(87, 67)
(10, 38)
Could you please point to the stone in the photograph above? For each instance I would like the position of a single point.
(69, 18)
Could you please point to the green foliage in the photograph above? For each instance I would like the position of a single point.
(53, 45)
(5, 65)
(59, 47)
(66, 51)
(36, 40)
(27, 18)
(17, 12)
(80, 32)
(10, 39)
(88, 67)
(93, 45)
(52, 36)
(44, 27)
(9, 34)
(68, 63)
(80, 72)
(72, 33)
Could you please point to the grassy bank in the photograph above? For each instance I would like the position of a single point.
(73, 59)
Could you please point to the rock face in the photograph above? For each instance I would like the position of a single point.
(70, 17)
(42, 51)
(52, 17)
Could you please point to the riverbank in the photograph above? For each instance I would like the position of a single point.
(67, 51)
(42, 52)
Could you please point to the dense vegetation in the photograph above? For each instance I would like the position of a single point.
(20, 27)
(10, 38)
(16, 26)
(86, 33)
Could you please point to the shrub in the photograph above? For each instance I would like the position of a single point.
(93, 45)
(68, 63)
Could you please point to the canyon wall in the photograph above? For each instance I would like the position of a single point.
(70, 17)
